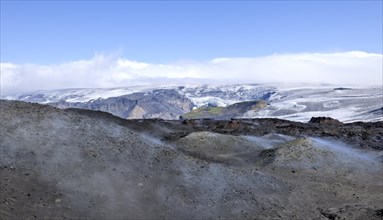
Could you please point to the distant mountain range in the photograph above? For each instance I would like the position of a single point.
(292, 102)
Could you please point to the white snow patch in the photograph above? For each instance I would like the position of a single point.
(210, 100)
(331, 104)
(289, 105)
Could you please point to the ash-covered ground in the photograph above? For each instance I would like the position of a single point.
(82, 164)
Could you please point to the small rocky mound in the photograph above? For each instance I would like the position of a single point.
(325, 121)
(218, 148)
(294, 152)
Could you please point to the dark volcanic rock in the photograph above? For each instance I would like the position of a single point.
(378, 111)
(325, 121)
(342, 88)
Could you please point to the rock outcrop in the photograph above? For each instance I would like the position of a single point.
(325, 121)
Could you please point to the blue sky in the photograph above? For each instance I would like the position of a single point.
(94, 44)
(43, 32)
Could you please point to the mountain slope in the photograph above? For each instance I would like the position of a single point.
(231, 111)
(166, 104)
(78, 163)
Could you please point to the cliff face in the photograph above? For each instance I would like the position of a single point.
(77, 163)
(166, 104)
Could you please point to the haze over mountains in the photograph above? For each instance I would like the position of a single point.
(297, 102)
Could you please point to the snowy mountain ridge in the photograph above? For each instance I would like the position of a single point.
(297, 102)
(195, 92)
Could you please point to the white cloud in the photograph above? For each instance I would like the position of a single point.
(355, 67)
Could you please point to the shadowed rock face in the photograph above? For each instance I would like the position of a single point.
(165, 104)
(325, 121)
(85, 164)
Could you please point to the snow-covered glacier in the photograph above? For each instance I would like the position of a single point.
(296, 102)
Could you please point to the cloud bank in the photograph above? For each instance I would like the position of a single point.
(346, 68)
